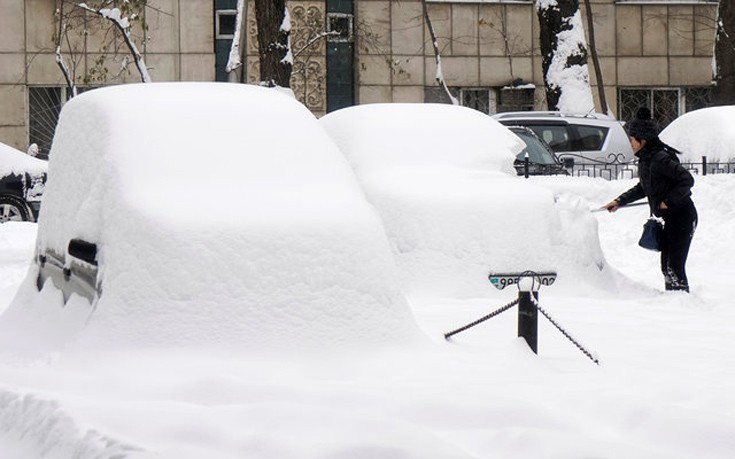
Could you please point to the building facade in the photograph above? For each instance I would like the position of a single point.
(652, 52)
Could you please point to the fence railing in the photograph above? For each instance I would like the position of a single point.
(617, 168)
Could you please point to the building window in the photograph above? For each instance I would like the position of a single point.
(696, 98)
(225, 24)
(339, 27)
(515, 99)
(496, 100)
(479, 99)
(666, 104)
(44, 106)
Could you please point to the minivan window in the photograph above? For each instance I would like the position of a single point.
(591, 137)
(537, 152)
(556, 136)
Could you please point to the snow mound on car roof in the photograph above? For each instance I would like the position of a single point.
(223, 214)
(704, 132)
(378, 137)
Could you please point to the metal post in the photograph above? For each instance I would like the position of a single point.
(528, 283)
(528, 319)
(704, 165)
(525, 165)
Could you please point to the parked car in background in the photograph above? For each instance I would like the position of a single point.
(541, 158)
(713, 153)
(22, 181)
(442, 179)
(594, 139)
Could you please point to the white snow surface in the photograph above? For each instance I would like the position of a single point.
(705, 132)
(14, 161)
(663, 389)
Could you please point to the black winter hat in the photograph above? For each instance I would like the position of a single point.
(643, 127)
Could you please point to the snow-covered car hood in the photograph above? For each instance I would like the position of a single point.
(13, 161)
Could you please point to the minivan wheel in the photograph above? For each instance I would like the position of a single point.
(13, 209)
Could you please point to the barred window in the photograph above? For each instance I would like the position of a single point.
(666, 104)
(496, 100)
(44, 106)
(479, 99)
(512, 99)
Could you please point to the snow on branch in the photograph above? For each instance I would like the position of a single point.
(123, 25)
(439, 74)
(60, 61)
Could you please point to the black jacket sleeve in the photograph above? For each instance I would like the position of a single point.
(631, 195)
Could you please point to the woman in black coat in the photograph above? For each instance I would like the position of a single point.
(668, 187)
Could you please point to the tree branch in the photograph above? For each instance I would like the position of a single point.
(113, 15)
(437, 55)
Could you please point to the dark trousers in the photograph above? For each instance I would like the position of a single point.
(676, 239)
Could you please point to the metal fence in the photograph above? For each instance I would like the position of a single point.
(616, 168)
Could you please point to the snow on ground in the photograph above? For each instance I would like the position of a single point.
(663, 389)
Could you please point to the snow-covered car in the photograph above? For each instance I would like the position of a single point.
(197, 214)
(442, 179)
(707, 132)
(22, 181)
(541, 158)
(590, 139)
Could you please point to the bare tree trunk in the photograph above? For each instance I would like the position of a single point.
(437, 55)
(724, 90)
(595, 59)
(274, 28)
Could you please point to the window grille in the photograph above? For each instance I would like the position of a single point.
(697, 98)
(666, 104)
(496, 100)
(515, 99)
(44, 106)
(479, 99)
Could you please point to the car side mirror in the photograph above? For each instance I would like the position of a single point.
(568, 163)
(83, 250)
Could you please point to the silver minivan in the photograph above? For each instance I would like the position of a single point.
(597, 143)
